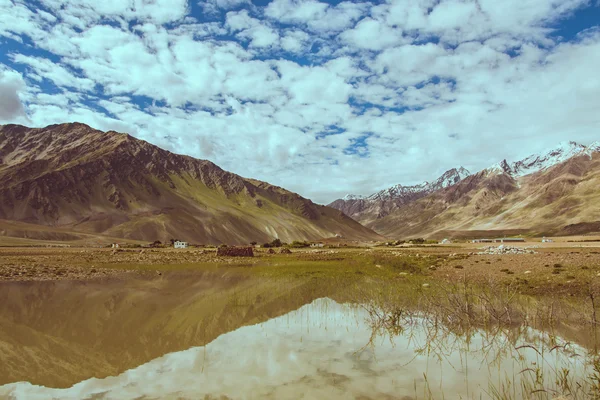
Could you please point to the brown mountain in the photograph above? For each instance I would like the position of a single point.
(79, 180)
(367, 210)
(557, 198)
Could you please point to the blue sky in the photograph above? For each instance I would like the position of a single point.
(323, 98)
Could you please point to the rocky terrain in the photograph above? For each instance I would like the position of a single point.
(501, 250)
(554, 193)
(78, 180)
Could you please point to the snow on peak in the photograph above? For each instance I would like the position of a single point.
(539, 162)
(398, 191)
(449, 178)
(353, 197)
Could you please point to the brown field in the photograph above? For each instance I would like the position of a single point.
(562, 267)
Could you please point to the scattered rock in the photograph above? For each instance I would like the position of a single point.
(426, 285)
(527, 272)
(502, 249)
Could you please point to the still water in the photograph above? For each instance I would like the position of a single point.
(328, 350)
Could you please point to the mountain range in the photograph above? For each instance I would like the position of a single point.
(378, 205)
(550, 193)
(70, 182)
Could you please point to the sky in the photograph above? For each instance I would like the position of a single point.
(322, 98)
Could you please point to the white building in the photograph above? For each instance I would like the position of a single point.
(547, 240)
(317, 244)
(180, 245)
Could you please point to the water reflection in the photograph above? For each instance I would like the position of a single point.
(327, 350)
(56, 334)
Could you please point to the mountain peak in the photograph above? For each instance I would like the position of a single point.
(449, 178)
(400, 191)
(353, 197)
(539, 162)
(70, 175)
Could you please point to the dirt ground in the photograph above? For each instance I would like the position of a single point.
(567, 268)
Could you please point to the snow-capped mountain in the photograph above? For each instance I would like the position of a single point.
(556, 197)
(353, 197)
(449, 178)
(549, 158)
(383, 202)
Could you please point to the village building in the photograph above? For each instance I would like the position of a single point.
(180, 245)
(115, 245)
(509, 240)
(499, 240)
(547, 240)
(446, 241)
(317, 244)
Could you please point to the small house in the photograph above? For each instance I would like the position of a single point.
(115, 245)
(180, 245)
(446, 241)
(317, 244)
(547, 240)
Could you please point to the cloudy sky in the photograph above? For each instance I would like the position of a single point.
(322, 98)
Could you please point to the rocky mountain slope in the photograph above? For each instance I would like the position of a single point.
(553, 193)
(378, 205)
(74, 178)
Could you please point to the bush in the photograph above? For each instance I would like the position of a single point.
(274, 243)
(298, 244)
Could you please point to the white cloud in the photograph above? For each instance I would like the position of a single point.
(259, 34)
(83, 13)
(54, 72)
(371, 34)
(295, 41)
(315, 15)
(11, 108)
(296, 11)
(214, 6)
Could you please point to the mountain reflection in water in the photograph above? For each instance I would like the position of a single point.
(324, 350)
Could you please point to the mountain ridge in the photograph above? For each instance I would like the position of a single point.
(73, 176)
(384, 202)
(544, 193)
